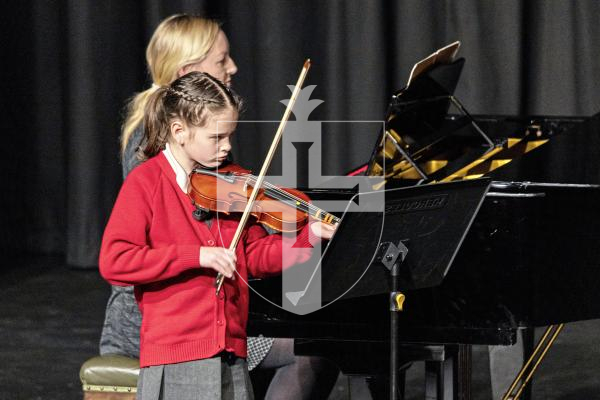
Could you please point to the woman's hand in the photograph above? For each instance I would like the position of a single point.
(323, 230)
(220, 259)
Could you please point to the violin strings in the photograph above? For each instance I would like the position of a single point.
(309, 207)
(284, 193)
(297, 200)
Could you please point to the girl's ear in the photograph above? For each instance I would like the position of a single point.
(178, 131)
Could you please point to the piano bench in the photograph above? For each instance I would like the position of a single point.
(109, 377)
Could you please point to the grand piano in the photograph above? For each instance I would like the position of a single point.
(530, 258)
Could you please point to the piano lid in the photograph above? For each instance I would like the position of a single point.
(572, 154)
(420, 142)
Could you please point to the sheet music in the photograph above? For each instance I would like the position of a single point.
(445, 55)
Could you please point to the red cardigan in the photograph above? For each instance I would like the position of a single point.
(153, 242)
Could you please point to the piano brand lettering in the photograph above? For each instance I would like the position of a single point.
(422, 204)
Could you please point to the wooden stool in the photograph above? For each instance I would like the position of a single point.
(109, 377)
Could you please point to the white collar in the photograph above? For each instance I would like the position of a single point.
(180, 175)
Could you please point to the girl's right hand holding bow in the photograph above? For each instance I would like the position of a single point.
(220, 259)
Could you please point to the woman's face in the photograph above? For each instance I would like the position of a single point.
(217, 62)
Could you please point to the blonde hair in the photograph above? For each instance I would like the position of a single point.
(193, 98)
(178, 40)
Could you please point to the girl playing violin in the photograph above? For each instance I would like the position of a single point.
(193, 342)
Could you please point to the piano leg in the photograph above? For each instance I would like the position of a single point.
(379, 386)
(528, 346)
(438, 380)
(450, 377)
(462, 369)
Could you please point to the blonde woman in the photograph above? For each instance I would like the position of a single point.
(181, 44)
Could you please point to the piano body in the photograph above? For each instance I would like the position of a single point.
(531, 257)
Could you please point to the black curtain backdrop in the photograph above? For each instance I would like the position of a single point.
(69, 66)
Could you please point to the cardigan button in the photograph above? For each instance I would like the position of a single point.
(219, 322)
(211, 242)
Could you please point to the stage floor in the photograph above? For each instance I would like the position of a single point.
(51, 316)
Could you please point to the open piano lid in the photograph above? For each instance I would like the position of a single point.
(421, 143)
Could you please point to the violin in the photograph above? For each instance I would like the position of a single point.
(259, 185)
(227, 190)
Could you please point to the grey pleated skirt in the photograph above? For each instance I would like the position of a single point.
(217, 378)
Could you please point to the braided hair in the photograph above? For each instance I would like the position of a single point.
(192, 98)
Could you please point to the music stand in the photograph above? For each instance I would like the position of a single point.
(409, 244)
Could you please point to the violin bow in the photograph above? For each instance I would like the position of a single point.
(265, 167)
